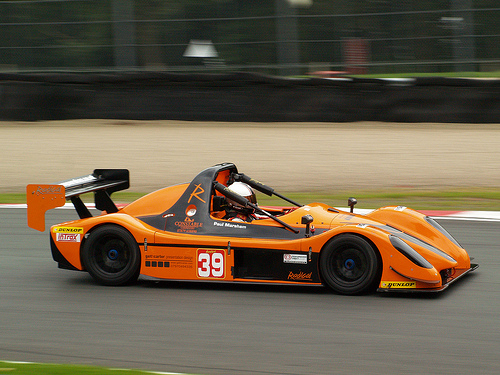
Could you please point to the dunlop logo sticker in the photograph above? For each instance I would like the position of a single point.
(398, 284)
(68, 230)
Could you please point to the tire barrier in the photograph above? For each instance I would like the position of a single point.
(246, 97)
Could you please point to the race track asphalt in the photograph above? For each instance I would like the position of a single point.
(53, 315)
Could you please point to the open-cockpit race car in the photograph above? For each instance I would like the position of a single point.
(213, 230)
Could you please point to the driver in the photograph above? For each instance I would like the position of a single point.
(235, 211)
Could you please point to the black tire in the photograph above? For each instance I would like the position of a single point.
(350, 265)
(111, 256)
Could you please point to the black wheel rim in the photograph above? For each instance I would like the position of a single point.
(111, 255)
(349, 266)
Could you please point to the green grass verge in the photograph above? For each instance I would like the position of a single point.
(12, 198)
(460, 200)
(495, 74)
(476, 200)
(16, 368)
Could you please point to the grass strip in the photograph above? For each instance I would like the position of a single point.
(24, 368)
(495, 74)
(455, 200)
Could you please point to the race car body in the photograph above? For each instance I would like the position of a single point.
(186, 232)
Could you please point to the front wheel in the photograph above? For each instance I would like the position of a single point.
(111, 256)
(350, 265)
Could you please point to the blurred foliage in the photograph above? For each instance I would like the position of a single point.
(41, 34)
(81, 34)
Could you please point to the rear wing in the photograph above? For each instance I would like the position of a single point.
(103, 182)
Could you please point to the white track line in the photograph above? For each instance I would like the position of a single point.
(460, 215)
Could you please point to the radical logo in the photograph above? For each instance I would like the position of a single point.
(196, 193)
(51, 189)
(300, 276)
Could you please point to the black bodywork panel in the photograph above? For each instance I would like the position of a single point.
(268, 264)
(199, 195)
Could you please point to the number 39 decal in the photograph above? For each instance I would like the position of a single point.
(211, 263)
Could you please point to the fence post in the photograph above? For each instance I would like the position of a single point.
(124, 33)
(287, 38)
(463, 31)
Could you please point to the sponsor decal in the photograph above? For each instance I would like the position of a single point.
(188, 225)
(295, 258)
(300, 276)
(168, 261)
(196, 193)
(362, 225)
(229, 225)
(346, 218)
(155, 263)
(68, 230)
(68, 237)
(400, 208)
(211, 263)
(398, 284)
(53, 189)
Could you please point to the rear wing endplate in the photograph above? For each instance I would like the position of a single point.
(103, 182)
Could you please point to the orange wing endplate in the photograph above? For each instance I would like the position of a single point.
(41, 198)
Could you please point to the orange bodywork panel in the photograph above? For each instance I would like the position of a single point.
(40, 199)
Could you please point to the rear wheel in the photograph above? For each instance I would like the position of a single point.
(350, 265)
(111, 256)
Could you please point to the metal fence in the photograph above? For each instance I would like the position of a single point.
(275, 36)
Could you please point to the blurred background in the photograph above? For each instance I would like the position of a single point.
(279, 37)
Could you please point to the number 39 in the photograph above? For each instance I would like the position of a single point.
(211, 263)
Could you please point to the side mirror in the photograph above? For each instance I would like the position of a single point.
(351, 202)
(307, 220)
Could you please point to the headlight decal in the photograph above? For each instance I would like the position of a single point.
(417, 241)
(409, 252)
(436, 225)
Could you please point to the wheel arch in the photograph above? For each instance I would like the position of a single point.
(357, 234)
(89, 232)
(99, 274)
(372, 244)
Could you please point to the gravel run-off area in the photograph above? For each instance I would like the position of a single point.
(321, 157)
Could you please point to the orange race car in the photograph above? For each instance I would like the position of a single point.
(213, 229)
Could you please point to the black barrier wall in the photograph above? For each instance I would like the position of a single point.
(246, 97)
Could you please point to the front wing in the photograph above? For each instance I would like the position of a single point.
(402, 287)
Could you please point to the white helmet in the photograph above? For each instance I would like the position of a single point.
(244, 190)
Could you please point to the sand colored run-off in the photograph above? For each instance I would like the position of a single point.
(288, 156)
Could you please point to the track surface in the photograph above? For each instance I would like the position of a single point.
(52, 315)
